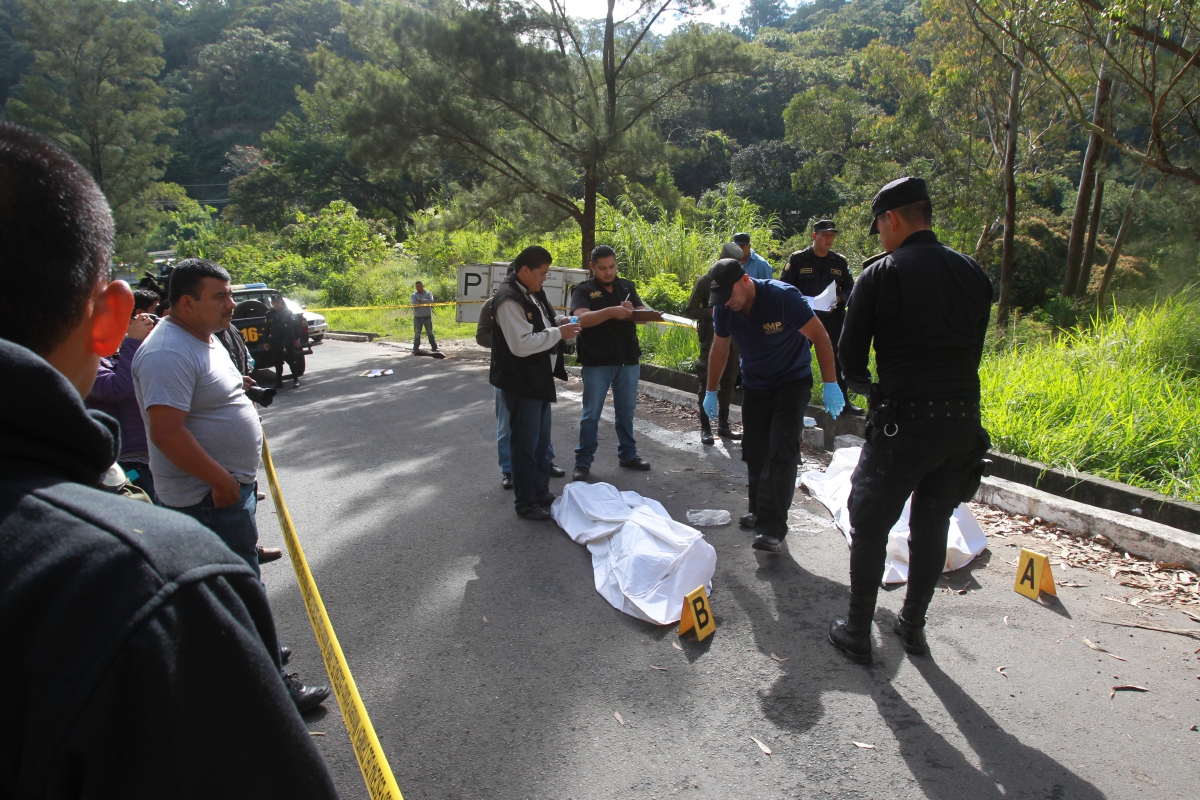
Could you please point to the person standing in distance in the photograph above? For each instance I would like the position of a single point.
(422, 302)
(699, 310)
(772, 324)
(755, 265)
(925, 307)
(140, 649)
(283, 340)
(609, 356)
(811, 270)
(526, 358)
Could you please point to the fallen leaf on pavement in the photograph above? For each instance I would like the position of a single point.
(676, 645)
(1001, 671)
(322, 733)
(617, 716)
(1100, 649)
(1126, 687)
(485, 619)
(777, 658)
(762, 746)
(660, 669)
(863, 746)
(1005, 619)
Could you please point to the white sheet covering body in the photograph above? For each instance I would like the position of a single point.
(832, 487)
(643, 561)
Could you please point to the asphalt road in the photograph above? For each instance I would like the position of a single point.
(492, 669)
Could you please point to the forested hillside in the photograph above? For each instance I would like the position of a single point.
(339, 148)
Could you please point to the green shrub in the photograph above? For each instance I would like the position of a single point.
(663, 293)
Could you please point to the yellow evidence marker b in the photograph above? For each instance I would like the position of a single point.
(1033, 575)
(697, 614)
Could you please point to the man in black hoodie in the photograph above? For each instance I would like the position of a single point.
(140, 649)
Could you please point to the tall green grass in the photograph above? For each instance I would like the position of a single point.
(397, 323)
(1120, 399)
(675, 347)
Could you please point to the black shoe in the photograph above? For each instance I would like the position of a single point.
(306, 698)
(637, 463)
(535, 512)
(580, 474)
(278, 383)
(706, 436)
(853, 635)
(295, 382)
(435, 349)
(506, 480)
(556, 471)
(285, 653)
(853, 410)
(547, 501)
(748, 520)
(723, 429)
(911, 636)
(854, 643)
(768, 543)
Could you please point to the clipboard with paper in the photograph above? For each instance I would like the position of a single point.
(826, 300)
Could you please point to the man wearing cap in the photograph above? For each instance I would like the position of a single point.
(926, 309)
(699, 310)
(772, 324)
(811, 270)
(755, 265)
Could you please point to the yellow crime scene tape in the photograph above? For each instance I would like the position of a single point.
(462, 303)
(381, 783)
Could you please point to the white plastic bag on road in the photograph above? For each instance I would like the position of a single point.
(643, 561)
(832, 488)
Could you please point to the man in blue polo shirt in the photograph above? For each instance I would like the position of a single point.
(772, 324)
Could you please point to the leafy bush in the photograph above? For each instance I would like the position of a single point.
(663, 293)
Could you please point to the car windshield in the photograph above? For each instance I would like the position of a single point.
(264, 296)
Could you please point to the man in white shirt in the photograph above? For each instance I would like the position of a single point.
(526, 358)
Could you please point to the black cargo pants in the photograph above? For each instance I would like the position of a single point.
(937, 463)
(772, 421)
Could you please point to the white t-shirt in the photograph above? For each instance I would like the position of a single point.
(173, 368)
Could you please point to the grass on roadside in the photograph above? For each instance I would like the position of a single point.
(397, 323)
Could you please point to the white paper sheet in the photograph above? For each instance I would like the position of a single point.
(826, 300)
(832, 489)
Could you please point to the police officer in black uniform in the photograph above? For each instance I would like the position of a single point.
(926, 308)
(811, 270)
(283, 330)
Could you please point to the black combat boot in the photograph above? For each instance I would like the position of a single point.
(910, 624)
(723, 429)
(706, 436)
(853, 635)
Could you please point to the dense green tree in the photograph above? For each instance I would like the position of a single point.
(91, 88)
(546, 107)
(758, 14)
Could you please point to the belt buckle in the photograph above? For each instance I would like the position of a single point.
(895, 429)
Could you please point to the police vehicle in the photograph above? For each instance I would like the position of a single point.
(250, 317)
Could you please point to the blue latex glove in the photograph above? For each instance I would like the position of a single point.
(710, 404)
(831, 395)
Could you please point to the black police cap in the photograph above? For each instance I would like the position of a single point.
(898, 193)
(824, 225)
(722, 277)
(741, 238)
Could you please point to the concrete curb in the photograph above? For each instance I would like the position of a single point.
(347, 337)
(1141, 537)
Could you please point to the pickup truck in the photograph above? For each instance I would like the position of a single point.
(250, 317)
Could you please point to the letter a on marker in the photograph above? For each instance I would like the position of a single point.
(1033, 575)
(697, 614)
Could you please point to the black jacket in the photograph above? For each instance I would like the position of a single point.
(812, 275)
(283, 326)
(612, 343)
(926, 307)
(526, 376)
(138, 649)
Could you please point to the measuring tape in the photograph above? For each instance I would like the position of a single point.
(381, 783)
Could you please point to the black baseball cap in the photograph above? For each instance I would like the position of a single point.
(723, 275)
(824, 225)
(741, 238)
(896, 194)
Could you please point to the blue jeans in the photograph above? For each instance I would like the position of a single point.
(596, 382)
(504, 434)
(530, 421)
(234, 524)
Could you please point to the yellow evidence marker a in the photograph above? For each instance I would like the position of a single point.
(1033, 575)
(697, 614)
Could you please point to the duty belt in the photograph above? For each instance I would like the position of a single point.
(936, 409)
